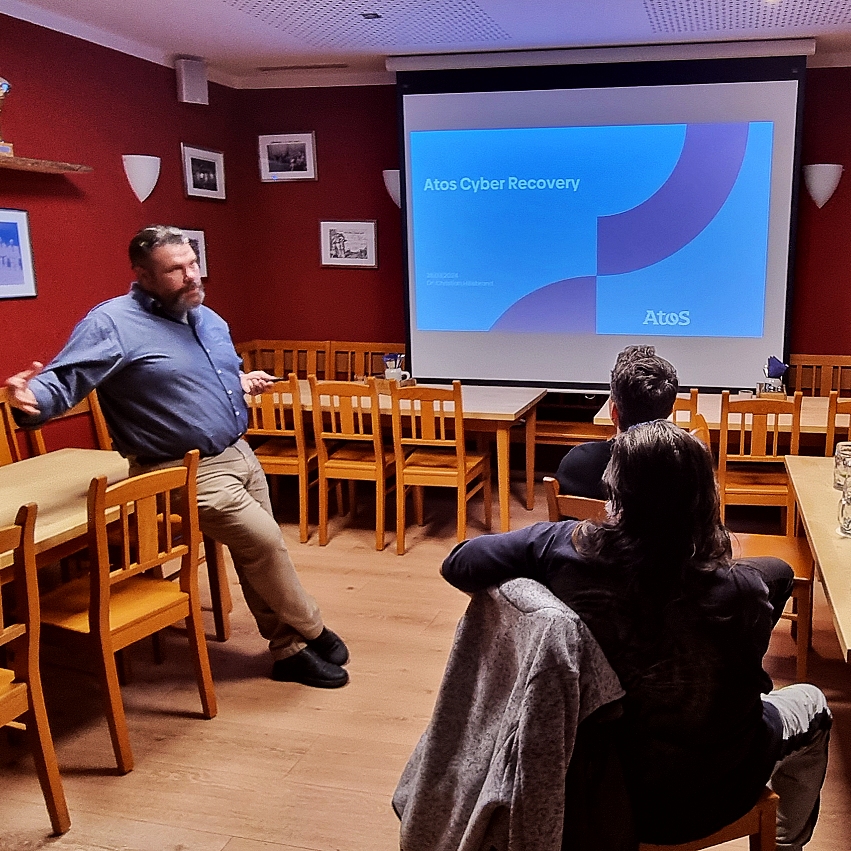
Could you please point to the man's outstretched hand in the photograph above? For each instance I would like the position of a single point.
(20, 395)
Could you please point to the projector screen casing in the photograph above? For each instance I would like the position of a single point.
(603, 103)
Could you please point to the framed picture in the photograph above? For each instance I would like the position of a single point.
(287, 156)
(203, 172)
(348, 244)
(196, 240)
(17, 274)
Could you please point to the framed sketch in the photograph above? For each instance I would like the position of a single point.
(196, 240)
(348, 244)
(203, 172)
(17, 273)
(287, 156)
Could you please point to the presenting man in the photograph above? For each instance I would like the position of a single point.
(644, 387)
(169, 381)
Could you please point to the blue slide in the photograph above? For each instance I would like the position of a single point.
(642, 229)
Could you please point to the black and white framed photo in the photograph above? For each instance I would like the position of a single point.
(17, 274)
(348, 244)
(287, 156)
(203, 172)
(199, 246)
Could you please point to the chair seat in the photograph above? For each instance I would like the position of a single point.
(283, 450)
(439, 461)
(794, 550)
(766, 484)
(354, 457)
(132, 601)
(6, 678)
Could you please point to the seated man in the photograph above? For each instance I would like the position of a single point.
(643, 388)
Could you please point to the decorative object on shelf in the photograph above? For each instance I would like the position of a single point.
(348, 244)
(391, 184)
(17, 274)
(203, 172)
(5, 147)
(142, 173)
(287, 156)
(821, 181)
(196, 240)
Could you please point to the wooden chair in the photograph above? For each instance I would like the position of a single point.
(428, 440)
(562, 506)
(276, 416)
(355, 361)
(347, 429)
(795, 551)
(10, 451)
(817, 375)
(759, 824)
(688, 407)
(281, 357)
(118, 604)
(752, 471)
(20, 687)
(836, 407)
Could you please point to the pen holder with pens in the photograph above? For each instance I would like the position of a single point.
(393, 369)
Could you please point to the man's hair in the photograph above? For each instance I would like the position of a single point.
(643, 387)
(150, 238)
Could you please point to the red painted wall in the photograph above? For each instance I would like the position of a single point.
(74, 101)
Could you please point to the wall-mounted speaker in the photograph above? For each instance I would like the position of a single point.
(191, 81)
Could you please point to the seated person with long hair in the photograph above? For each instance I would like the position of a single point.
(685, 629)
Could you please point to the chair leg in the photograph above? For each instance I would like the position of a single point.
(201, 659)
(44, 755)
(380, 506)
(462, 512)
(419, 513)
(400, 516)
(219, 587)
(302, 508)
(353, 510)
(114, 709)
(323, 510)
(488, 495)
(804, 622)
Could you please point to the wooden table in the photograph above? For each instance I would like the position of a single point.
(490, 409)
(811, 479)
(59, 483)
(813, 413)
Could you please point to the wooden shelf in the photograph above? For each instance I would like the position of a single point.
(49, 166)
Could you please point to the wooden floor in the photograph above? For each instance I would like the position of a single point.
(287, 768)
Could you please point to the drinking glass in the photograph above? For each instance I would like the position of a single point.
(841, 455)
(845, 502)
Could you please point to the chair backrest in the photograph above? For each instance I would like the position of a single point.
(562, 506)
(837, 407)
(700, 430)
(281, 357)
(687, 407)
(817, 375)
(345, 410)
(277, 411)
(756, 435)
(10, 451)
(426, 416)
(152, 519)
(355, 361)
(90, 405)
(23, 628)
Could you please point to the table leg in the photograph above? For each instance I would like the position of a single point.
(531, 422)
(502, 474)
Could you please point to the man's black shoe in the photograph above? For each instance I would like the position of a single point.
(330, 647)
(310, 669)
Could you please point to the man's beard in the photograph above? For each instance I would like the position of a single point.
(187, 300)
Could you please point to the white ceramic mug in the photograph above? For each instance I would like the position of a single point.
(396, 374)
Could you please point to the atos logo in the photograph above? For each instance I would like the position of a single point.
(662, 317)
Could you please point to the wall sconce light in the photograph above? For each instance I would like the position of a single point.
(391, 182)
(821, 181)
(142, 173)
